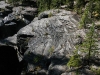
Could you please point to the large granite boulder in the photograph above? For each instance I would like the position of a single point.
(53, 41)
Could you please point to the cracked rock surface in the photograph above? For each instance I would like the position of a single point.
(52, 43)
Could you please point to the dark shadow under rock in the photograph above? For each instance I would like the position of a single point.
(10, 29)
(37, 60)
(55, 72)
(9, 63)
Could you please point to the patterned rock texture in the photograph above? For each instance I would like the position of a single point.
(54, 39)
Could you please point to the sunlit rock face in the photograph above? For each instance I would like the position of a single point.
(54, 39)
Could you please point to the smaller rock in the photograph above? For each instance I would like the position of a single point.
(11, 23)
(9, 18)
(1, 23)
(64, 6)
(42, 72)
(56, 70)
(35, 19)
(11, 41)
(26, 21)
(3, 4)
(42, 15)
(64, 74)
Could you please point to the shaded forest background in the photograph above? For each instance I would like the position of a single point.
(78, 6)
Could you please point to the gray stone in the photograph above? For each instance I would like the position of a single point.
(42, 15)
(3, 4)
(53, 41)
(27, 12)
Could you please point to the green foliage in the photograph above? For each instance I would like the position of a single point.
(70, 3)
(89, 46)
(93, 7)
(74, 61)
(51, 4)
(84, 20)
(96, 9)
(36, 59)
(50, 14)
(51, 49)
(79, 5)
(86, 16)
(96, 71)
(90, 41)
(14, 2)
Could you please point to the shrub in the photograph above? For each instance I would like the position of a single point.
(74, 61)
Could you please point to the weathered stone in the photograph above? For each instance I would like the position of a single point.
(53, 41)
(3, 4)
(27, 12)
(10, 22)
(63, 6)
(42, 15)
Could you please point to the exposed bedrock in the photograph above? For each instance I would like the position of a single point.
(54, 39)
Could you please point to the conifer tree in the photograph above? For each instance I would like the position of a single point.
(87, 15)
(74, 61)
(84, 19)
(50, 4)
(70, 3)
(79, 5)
(89, 45)
(87, 50)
